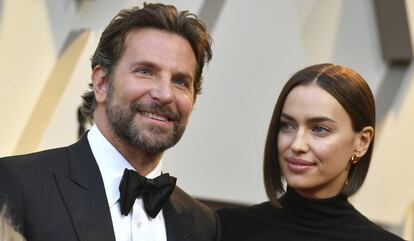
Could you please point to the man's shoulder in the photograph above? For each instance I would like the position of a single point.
(205, 219)
(183, 201)
(35, 158)
(46, 158)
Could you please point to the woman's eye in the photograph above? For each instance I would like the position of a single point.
(286, 126)
(321, 130)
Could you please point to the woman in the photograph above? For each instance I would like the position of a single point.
(319, 144)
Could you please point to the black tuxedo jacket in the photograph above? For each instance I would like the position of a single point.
(58, 195)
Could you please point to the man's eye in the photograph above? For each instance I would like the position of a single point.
(144, 71)
(180, 82)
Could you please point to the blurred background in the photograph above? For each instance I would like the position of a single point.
(45, 46)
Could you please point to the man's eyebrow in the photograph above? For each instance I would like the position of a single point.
(184, 75)
(145, 63)
(152, 65)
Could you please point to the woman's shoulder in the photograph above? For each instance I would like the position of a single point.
(247, 223)
(252, 211)
(373, 230)
(263, 214)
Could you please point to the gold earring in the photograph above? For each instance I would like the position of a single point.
(354, 159)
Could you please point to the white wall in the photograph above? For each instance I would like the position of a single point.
(27, 55)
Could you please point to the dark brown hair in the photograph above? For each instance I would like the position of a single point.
(354, 95)
(158, 16)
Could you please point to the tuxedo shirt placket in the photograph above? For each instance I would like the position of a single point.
(136, 226)
(144, 227)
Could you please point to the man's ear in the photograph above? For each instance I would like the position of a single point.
(363, 140)
(100, 83)
(194, 98)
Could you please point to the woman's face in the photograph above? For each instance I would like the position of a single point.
(315, 142)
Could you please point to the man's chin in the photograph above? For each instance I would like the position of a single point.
(152, 148)
(155, 144)
(153, 139)
(151, 130)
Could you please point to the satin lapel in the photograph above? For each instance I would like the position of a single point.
(84, 195)
(178, 222)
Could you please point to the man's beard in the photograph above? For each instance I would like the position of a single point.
(144, 136)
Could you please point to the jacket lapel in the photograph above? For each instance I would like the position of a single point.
(179, 223)
(84, 195)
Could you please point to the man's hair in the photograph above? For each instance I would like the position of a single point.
(158, 16)
(352, 93)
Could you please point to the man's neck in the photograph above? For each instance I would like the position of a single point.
(142, 161)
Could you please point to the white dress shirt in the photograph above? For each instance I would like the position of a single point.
(137, 226)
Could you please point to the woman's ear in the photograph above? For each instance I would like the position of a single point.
(100, 86)
(363, 140)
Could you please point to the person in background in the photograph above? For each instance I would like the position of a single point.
(7, 230)
(317, 154)
(146, 74)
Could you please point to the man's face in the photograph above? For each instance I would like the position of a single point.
(150, 91)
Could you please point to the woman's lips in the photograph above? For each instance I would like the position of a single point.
(298, 165)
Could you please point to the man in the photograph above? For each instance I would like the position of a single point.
(146, 73)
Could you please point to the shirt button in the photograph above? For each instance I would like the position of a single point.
(139, 224)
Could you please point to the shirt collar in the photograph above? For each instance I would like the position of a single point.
(112, 164)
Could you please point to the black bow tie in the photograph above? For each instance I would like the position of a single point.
(155, 192)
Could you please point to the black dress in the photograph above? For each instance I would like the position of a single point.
(300, 218)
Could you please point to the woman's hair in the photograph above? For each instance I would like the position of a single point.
(354, 95)
(7, 231)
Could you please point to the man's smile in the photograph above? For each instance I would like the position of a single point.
(154, 116)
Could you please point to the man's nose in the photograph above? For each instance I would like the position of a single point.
(162, 91)
(300, 143)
